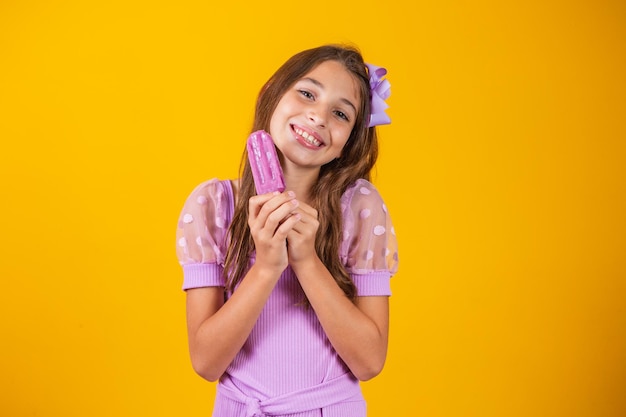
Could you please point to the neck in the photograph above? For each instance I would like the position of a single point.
(301, 181)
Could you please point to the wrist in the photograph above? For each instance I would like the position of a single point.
(263, 272)
(306, 266)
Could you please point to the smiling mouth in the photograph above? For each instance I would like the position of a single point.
(308, 138)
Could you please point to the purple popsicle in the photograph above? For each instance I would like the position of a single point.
(266, 169)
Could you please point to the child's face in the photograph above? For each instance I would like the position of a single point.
(314, 118)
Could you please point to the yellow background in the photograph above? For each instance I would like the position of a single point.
(503, 170)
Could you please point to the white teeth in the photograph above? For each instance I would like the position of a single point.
(309, 138)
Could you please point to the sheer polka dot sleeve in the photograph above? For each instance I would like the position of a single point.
(369, 248)
(201, 236)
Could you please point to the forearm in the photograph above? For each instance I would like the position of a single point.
(360, 339)
(215, 341)
(219, 331)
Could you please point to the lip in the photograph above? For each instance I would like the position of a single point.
(310, 133)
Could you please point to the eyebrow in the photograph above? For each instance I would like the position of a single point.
(320, 85)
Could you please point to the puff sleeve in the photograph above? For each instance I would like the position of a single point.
(369, 249)
(202, 233)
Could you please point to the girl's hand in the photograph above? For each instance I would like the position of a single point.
(301, 238)
(271, 217)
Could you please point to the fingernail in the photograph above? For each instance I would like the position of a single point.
(291, 194)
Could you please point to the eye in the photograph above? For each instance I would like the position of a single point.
(342, 115)
(306, 94)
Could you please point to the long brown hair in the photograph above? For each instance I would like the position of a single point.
(356, 161)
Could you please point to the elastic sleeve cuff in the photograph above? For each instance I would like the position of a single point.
(372, 283)
(202, 275)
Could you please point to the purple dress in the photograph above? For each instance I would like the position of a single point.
(287, 367)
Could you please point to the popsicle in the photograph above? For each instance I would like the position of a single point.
(266, 169)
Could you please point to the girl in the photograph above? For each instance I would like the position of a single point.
(287, 293)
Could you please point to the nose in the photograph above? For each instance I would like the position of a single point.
(317, 115)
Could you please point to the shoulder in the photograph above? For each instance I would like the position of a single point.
(212, 196)
(369, 243)
(364, 212)
(211, 201)
(203, 222)
(364, 194)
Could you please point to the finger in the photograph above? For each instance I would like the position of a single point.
(308, 210)
(276, 201)
(281, 214)
(308, 216)
(261, 206)
(255, 203)
(287, 226)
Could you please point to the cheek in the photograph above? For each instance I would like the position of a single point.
(278, 115)
(344, 134)
(283, 110)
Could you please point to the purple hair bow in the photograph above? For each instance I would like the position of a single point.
(381, 90)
